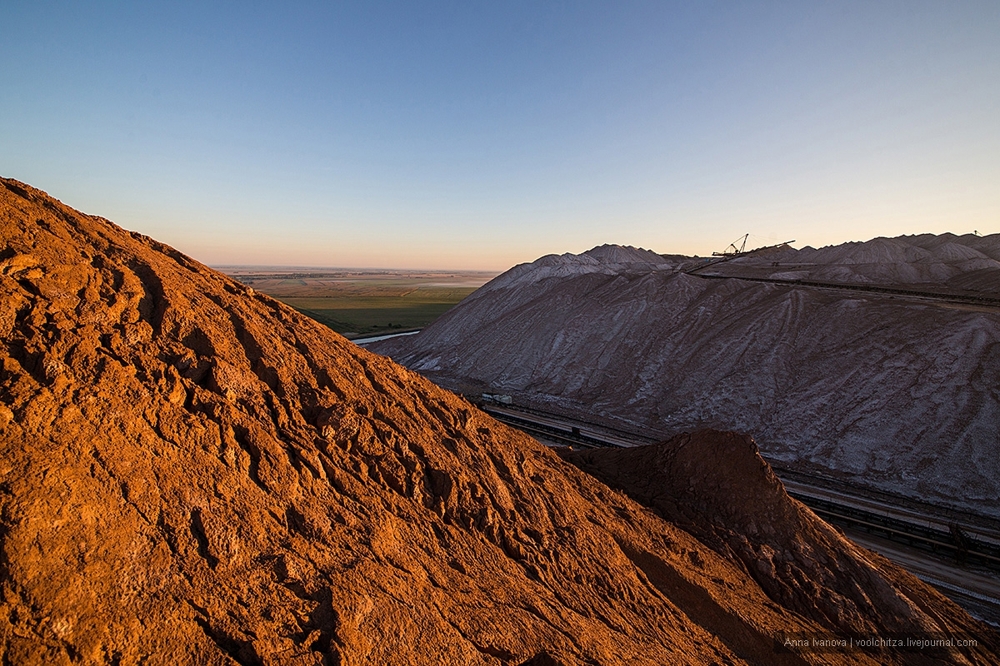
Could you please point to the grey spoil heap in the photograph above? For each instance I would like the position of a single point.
(890, 389)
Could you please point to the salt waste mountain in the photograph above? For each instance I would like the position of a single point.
(193, 473)
(876, 363)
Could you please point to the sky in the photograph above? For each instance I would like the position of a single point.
(478, 135)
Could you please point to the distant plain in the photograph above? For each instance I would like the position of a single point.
(358, 302)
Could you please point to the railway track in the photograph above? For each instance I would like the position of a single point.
(955, 543)
(961, 562)
(967, 545)
(571, 436)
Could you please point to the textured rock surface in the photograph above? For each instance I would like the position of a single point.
(894, 392)
(191, 472)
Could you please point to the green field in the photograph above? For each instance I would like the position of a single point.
(362, 303)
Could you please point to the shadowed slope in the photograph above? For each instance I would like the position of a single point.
(191, 472)
(716, 486)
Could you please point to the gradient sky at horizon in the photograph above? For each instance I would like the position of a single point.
(481, 135)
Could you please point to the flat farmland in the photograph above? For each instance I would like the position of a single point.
(359, 303)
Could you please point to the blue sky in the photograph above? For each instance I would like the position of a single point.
(484, 134)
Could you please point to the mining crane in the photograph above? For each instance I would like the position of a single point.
(732, 250)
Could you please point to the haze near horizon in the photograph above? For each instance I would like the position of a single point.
(450, 136)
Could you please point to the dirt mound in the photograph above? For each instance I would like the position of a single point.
(193, 473)
(716, 486)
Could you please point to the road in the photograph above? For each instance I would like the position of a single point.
(957, 552)
(386, 336)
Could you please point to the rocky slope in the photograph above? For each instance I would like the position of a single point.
(895, 392)
(191, 472)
